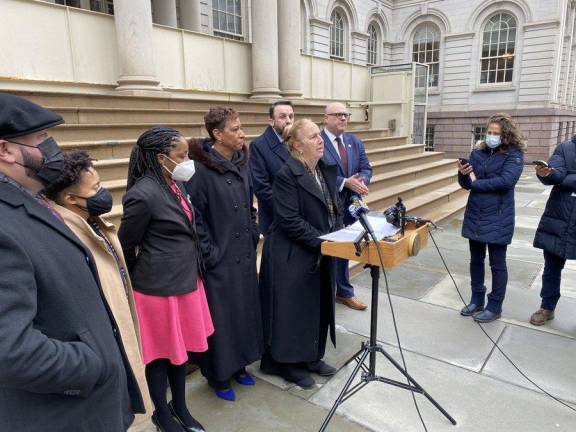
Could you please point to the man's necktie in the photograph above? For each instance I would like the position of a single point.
(343, 155)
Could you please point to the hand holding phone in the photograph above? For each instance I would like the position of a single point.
(540, 163)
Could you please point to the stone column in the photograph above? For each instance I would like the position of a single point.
(133, 21)
(289, 30)
(265, 49)
(190, 15)
(165, 12)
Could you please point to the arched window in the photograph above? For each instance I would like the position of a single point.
(337, 32)
(372, 53)
(498, 46)
(426, 49)
(227, 18)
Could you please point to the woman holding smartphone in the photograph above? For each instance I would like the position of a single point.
(491, 174)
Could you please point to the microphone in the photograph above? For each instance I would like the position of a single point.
(359, 210)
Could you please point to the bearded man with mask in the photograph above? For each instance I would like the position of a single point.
(81, 201)
(63, 365)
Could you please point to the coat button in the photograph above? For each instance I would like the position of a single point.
(88, 260)
(236, 207)
(237, 260)
(228, 181)
(247, 230)
(237, 235)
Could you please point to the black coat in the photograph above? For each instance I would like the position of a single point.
(556, 232)
(267, 156)
(154, 222)
(296, 281)
(226, 221)
(62, 363)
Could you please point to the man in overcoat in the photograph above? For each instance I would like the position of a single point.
(345, 151)
(62, 362)
(268, 153)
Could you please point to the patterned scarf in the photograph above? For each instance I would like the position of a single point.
(326, 193)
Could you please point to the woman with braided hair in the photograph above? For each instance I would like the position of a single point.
(160, 243)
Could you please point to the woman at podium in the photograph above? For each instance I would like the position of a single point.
(296, 281)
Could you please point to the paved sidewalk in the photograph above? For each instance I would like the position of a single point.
(446, 353)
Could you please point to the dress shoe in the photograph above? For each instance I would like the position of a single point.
(540, 317)
(244, 378)
(190, 426)
(162, 428)
(296, 375)
(486, 316)
(471, 309)
(352, 303)
(227, 395)
(321, 368)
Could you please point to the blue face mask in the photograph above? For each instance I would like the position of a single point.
(493, 141)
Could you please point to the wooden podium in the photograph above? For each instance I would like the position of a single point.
(393, 253)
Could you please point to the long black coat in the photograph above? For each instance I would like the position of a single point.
(557, 229)
(226, 223)
(296, 281)
(62, 363)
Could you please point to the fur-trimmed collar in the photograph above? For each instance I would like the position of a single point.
(201, 150)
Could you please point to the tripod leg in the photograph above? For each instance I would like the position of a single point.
(344, 390)
(417, 386)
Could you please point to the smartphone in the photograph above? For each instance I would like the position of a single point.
(540, 163)
(463, 161)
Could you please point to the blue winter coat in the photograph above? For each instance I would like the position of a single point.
(489, 216)
(557, 229)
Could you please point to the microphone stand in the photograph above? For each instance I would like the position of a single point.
(370, 348)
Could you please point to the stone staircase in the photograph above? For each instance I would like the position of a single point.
(108, 126)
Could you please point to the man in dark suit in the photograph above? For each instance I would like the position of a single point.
(62, 363)
(268, 153)
(354, 172)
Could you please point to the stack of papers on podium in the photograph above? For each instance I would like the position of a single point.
(381, 227)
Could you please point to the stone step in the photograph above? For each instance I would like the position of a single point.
(411, 174)
(105, 116)
(401, 162)
(112, 169)
(162, 102)
(386, 197)
(384, 153)
(386, 141)
(126, 131)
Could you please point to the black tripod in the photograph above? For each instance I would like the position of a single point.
(369, 372)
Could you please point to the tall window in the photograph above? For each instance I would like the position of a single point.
(498, 45)
(478, 134)
(227, 18)
(337, 41)
(372, 55)
(429, 139)
(426, 49)
(71, 3)
(104, 6)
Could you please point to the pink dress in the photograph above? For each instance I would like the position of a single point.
(170, 327)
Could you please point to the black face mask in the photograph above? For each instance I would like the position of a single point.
(52, 164)
(97, 204)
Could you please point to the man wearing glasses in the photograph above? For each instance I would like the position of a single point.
(354, 172)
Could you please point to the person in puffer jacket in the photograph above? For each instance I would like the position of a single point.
(491, 174)
(556, 233)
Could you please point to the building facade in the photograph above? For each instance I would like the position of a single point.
(483, 55)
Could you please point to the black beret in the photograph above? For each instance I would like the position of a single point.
(19, 117)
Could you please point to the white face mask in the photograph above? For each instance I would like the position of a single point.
(183, 171)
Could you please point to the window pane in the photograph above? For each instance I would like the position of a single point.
(500, 76)
(508, 75)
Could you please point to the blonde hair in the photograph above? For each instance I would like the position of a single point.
(293, 135)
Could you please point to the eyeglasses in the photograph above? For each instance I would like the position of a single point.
(340, 115)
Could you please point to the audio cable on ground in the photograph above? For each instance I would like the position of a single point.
(495, 343)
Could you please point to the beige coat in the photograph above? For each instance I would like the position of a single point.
(121, 302)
